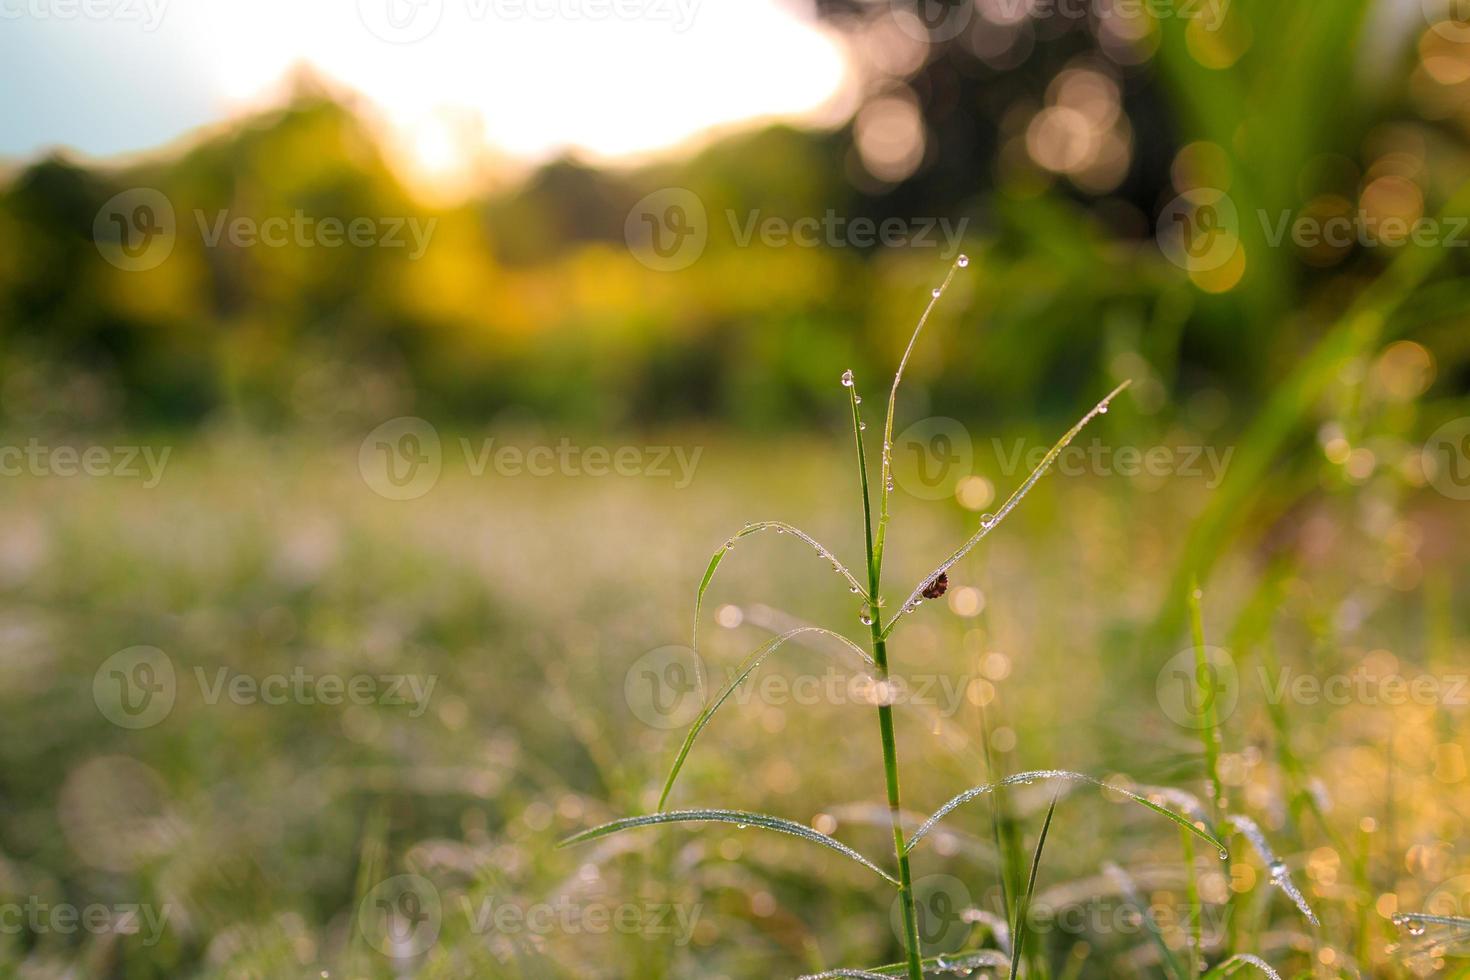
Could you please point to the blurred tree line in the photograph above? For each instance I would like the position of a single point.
(1058, 139)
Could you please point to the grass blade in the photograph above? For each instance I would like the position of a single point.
(740, 818)
(750, 664)
(1240, 960)
(1024, 908)
(1030, 777)
(1274, 865)
(886, 481)
(955, 963)
(912, 602)
(1209, 734)
(780, 527)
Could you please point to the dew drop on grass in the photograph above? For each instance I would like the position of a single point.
(962, 261)
(865, 618)
(862, 426)
(935, 292)
(987, 519)
(858, 399)
(1278, 870)
(847, 378)
(1102, 409)
(1224, 855)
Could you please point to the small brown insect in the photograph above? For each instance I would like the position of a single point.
(936, 588)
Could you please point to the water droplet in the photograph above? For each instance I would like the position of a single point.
(730, 545)
(862, 426)
(865, 619)
(1224, 855)
(987, 519)
(963, 261)
(858, 399)
(780, 530)
(742, 826)
(853, 589)
(1102, 410)
(1278, 869)
(935, 292)
(847, 378)
(889, 484)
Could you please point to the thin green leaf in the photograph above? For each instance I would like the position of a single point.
(1030, 777)
(1024, 908)
(740, 818)
(1274, 865)
(912, 602)
(749, 529)
(753, 661)
(1410, 919)
(953, 963)
(887, 462)
(1239, 960)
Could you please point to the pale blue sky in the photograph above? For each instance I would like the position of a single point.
(518, 78)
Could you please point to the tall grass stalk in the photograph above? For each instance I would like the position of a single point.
(880, 626)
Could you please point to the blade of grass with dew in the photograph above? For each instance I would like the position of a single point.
(1204, 674)
(740, 818)
(1416, 923)
(957, 963)
(750, 664)
(780, 527)
(1023, 908)
(1196, 913)
(886, 464)
(1031, 777)
(873, 620)
(1002, 827)
(1240, 961)
(1156, 935)
(986, 526)
(1274, 865)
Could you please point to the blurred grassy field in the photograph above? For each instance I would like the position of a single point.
(261, 828)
